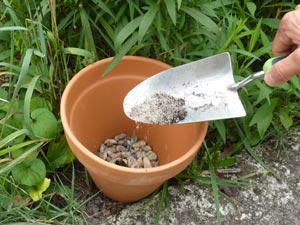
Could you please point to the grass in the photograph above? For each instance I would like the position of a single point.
(60, 206)
(43, 43)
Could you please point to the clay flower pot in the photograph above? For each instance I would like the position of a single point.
(92, 111)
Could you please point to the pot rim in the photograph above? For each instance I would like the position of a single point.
(193, 149)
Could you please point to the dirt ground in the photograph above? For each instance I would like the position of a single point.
(271, 201)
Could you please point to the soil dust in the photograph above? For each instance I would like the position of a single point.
(160, 108)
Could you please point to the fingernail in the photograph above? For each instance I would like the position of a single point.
(269, 79)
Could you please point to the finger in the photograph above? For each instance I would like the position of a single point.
(282, 45)
(284, 70)
(288, 34)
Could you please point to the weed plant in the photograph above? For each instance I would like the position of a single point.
(43, 43)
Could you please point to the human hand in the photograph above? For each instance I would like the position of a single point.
(286, 42)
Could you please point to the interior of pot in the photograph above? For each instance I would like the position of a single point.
(96, 112)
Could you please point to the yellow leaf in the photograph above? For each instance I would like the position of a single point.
(36, 191)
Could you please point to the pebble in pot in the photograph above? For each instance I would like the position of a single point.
(128, 151)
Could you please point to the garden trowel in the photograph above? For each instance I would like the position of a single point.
(203, 90)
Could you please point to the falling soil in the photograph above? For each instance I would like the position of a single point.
(160, 108)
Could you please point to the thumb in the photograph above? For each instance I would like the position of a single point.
(284, 70)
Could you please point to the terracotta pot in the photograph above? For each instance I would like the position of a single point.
(92, 111)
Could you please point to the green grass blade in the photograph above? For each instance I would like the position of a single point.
(42, 40)
(146, 21)
(12, 28)
(66, 21)
(104, 7)
(126, 31)
(215, 190)
(221, 129)
(78, 51)
(17, 147)
(271, 22)
(219, 181)
(5, 141)
(179, 4)
(243, 52)
(161, 202)
(108, 28)
(201, 18)
(23, 72)
(123, 51)
(20, 159)
(12, 13)
(171, 8)
(88, 34)
(254, 37)
(4, 55)
(27, 101)
(252, 153)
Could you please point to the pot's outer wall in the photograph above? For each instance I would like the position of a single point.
(92, 111)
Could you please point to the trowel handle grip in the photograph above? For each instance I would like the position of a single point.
(249, 79)
(270, 62)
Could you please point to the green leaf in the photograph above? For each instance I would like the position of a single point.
(251, 7)
(263, 117)
(162, 201)
(11, 125)
(7, 139)
(243, 52)
(201, 18)
(254, 37)
(22, 158)
(123, 51)
(147, 21)
(264, 92)
(225, 162)
(39, 102)
(36, 191)
(215, 190)
(104, 7)
(88, 34)
(171, 8)
(285, 119)
(126, 31)
(179, 4)
(78, 51)
(44, 123)
(27, 100)
(272, 23)
(296, 82)
(221, 129)
(12, 28)
(19, 149)
(3, 95)
(265, 39)
(30, 172)
(59, 153)
(23, 223)
(12, 13)
(23, 72)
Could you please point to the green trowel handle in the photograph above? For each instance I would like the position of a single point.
(270, 62)
(249, 79)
